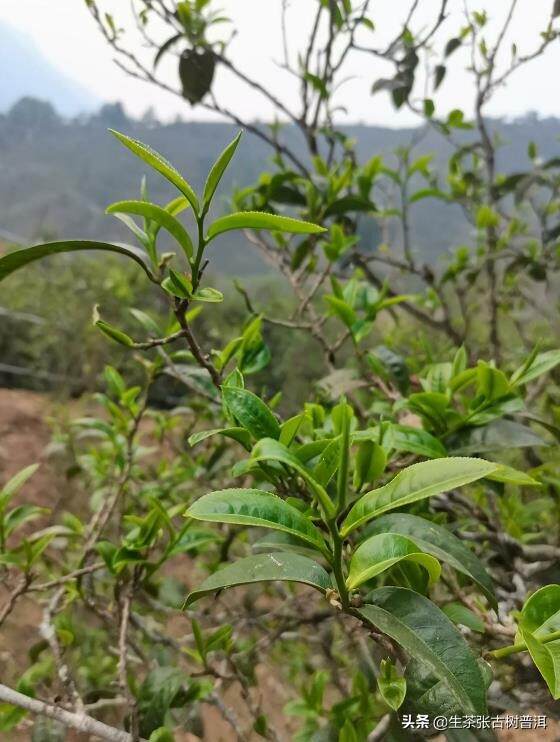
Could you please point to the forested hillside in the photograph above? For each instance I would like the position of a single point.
(57, 176)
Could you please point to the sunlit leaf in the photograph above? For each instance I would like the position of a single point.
(383, 551)
(441, 543)
(160, 164)
(255, 508)
(261, 220)
(415, 483)
(160, 216)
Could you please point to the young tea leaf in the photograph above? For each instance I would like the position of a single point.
(217, 171)
(261, 220)
(160, 164)
(383, 551)
(160, 216)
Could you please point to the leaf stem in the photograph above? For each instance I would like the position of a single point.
(199, 252)
(337, 563)
(342, 479)
(521, 646)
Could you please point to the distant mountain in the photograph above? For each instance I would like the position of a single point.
(57, 176)
(24, 71)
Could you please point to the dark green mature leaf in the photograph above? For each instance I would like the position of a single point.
(426, 634)
(381, 552)
(265, 568)
(251, 412)
(439, 74)
(415, 483)
(282, 541)
(166, 46)
(218, 169)
(20, 258)
(160, 164)
(262, 220)
(498, 435)
(255, 508)
(160, 216)
(439, 542)
(540, 617)
(451, 46)
(196, 71)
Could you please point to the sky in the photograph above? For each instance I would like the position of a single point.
(65, 34)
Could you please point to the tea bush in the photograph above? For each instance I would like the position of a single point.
(382, 550)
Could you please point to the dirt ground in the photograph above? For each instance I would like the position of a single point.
(24, 437)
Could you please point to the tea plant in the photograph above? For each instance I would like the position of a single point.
(308, 460)
(347, 522)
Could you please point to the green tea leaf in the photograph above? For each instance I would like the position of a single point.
(426, 634)
(540, 617)
(461, 615)
(160, 216)
(416, 440)
(415, 483)
(217, 171)
(261, 220)
(509, 475)
(392, 685)
(282, 541)
(541, 364)
(113, 333)
(13, 485)
(209, 295)
(371, 460)
(17, 259)
(264, 568)
(255, 508)
(160, 164)
(251, 412)
(177, 284)
(383, 551)
(441, 543)
(268, 449)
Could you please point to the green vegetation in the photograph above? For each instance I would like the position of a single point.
(378, 535)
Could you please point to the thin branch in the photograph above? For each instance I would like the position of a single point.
(78, 721)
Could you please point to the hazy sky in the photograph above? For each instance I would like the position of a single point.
(65, 33)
